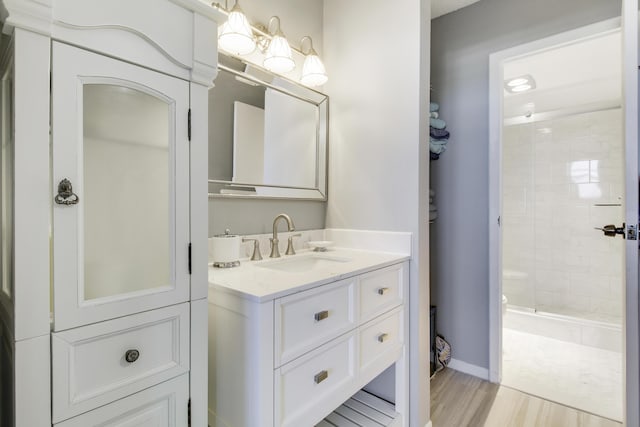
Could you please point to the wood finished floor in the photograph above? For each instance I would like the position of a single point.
(460, 400)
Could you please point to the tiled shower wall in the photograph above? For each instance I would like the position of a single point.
(555, 173)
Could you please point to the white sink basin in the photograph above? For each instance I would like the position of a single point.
(302, 264)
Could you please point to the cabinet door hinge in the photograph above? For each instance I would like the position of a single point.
(189, 258)
(189, 124)
(189, 413)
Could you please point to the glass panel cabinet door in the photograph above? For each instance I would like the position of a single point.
(121, 188)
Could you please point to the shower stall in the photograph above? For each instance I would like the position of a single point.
(562, 179)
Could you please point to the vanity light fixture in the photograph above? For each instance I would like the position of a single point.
(278, 56)
(313, 71)
(520, 84)
(236, 35)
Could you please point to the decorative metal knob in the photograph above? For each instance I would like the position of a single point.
(65, 194)
(131, 355)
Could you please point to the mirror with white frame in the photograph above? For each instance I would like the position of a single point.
(267, 135)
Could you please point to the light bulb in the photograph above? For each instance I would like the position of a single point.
(278, 57)
(313, 71)
(236, 36)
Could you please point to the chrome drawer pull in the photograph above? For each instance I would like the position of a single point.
(383, 337)
(321, 376)
(131, 355)
(321, 315)
(382, 291)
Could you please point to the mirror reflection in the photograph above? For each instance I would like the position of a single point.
(267, 135)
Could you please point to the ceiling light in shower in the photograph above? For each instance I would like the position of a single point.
(519, 84)
(521, 88)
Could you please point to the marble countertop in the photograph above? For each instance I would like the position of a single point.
(269, 279)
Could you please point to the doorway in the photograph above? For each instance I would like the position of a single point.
(558, 137)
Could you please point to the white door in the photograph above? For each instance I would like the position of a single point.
(120, 159)
(630, 106)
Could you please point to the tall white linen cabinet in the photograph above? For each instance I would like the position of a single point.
(103, 206)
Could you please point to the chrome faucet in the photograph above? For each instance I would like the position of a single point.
(275, 250)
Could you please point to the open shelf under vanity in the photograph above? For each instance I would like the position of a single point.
(363, 410)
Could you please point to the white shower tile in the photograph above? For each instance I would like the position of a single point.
(611, 306)
(590, 285)
(586, 146)
(546, 299)
(601, 215)
(606, 263)
(616, 286)
(551, 280)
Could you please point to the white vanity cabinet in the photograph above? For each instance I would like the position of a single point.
(104, 317)
(289, 361)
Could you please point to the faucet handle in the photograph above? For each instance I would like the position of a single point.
(290, 250)
(256, 256)
(275, 249)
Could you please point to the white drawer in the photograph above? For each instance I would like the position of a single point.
(380, 291)
(310, 387)
(308, 319)
(381, 342)
(89, 365)
(165, 405)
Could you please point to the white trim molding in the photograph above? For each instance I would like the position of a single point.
(97, 25)
(630, 61)
(468, 368)
(32, 15)
(631, 359)
(496, 61)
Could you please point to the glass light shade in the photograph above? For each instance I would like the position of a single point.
(279, 58)
(313, 71)
(236, 36)
(517, 81)
(521, 88)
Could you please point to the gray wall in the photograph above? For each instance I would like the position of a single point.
(298, 18)
(248, 216)
(461, 44)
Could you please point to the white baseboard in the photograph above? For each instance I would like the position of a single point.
(429, 424)
(468, 368)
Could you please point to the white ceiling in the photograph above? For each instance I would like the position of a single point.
(586, 73)
(442, 7)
